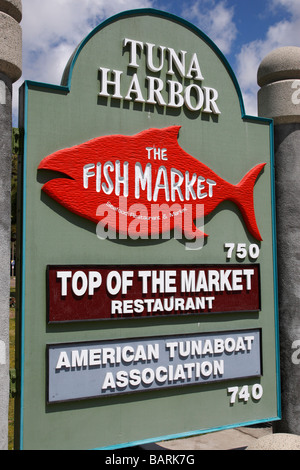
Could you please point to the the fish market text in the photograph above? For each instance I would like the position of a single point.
(172, 182)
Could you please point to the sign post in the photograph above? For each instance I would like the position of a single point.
(10, 71)
(149, 302)
(279, 98)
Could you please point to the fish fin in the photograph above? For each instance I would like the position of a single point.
(187, 224)
(245, 201)
(194, 233)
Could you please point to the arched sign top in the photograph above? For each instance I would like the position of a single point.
(185, 64)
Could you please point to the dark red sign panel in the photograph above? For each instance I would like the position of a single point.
(79, 293)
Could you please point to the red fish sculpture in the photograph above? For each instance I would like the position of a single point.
(146, 181)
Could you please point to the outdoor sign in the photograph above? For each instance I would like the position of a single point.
(147, 274)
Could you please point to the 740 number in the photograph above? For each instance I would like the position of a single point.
(256, 392)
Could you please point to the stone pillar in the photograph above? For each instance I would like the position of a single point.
(279, 98)
(10, 71)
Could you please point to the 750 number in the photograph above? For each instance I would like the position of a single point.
(241, 250)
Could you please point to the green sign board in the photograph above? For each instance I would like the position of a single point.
(147, 278)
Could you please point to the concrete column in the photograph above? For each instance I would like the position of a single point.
(10, 71)
(279, 98)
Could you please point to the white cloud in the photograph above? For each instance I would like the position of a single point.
(52, 29)
(58, 26)
(215, 20)
(280, 34)
(293, 6)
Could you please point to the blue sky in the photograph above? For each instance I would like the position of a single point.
(244, 30)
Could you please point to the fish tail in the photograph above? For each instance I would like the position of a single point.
(245, 201)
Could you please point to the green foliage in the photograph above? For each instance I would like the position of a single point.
(14, 185)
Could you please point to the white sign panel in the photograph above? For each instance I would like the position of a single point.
(85, 370)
